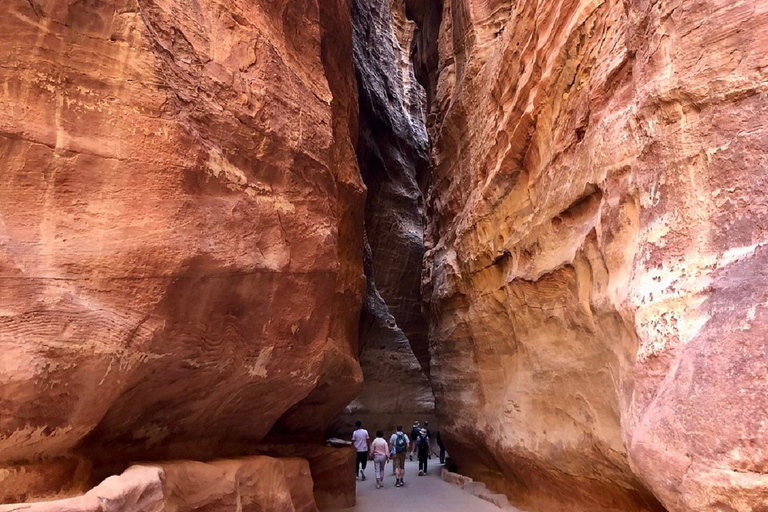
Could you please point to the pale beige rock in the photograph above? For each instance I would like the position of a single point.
(255, 483)
(596, 282)
(332, 471)
(180, 225)
(138, 489)
(454, 478)
(247, 484)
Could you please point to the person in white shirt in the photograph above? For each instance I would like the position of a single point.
(398, 446)
(360, 439)
(379, 453)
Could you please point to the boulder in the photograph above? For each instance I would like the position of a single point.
(247, 484)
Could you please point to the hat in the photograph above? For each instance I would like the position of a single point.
(423, 432)
(415, 423)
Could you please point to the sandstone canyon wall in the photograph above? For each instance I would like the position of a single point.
(595, 279)
(181, 224)
(392, 151)
(182, 234)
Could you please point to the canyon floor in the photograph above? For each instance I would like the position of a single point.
(423, 493)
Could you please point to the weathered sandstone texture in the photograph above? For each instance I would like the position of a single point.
(392, 150)
(250, 484)
(596, 273)
(180, 225)
(396, 390)
(61, 477)
(332, 471)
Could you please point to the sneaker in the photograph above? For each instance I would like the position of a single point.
(362, 476)
(421, 473)
(378, 485)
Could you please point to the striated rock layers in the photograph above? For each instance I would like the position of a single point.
(596, 282)
(392, 149)
(181, 225)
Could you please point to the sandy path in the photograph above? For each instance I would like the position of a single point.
(422, 493)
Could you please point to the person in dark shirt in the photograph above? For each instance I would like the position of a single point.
(422, 443)
(414, 434)
(442, 447)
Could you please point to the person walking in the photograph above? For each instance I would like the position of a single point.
(441, 446)
(379, 453)
(398, 445)
(422, 442)
(429, 435)
(414, 434)
(361, 440)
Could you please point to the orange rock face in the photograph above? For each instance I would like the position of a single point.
(596, 280)
(181, 224)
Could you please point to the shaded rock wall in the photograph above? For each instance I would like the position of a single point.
(181, 225)
(396, 390)
(392, 149)
(595, 282)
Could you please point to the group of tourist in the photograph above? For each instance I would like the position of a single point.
(381, 451)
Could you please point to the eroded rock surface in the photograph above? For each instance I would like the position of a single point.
(331, 469)
(392, 150)
(396, 390)
(181, 225)
(596, 283)
(254, 483)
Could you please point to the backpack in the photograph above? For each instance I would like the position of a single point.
(424, 443)
(400, 444)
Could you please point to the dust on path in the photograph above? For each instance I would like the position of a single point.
(427, 493)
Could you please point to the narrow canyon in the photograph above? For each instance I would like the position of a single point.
(230, 229)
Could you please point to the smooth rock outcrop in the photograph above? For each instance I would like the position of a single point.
(332, 471)
(180, 225)
(596, 279)
(248, 484)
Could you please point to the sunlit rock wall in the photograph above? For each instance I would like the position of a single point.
(180, 225)
(596, 284)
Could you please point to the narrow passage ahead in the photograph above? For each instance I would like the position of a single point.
(427, 493)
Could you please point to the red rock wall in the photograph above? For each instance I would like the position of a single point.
(181, 225)
(596, 287)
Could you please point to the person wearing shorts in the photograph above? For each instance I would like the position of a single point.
(398, 447)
